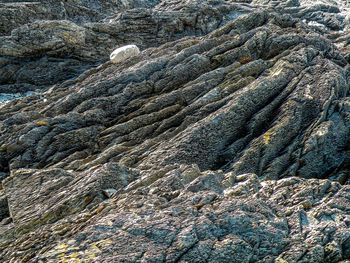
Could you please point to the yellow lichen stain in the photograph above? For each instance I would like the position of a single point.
(330, 248)
(338, 219)
(62, 246)
(281, 260)
(42, 123)
(3, 148)
(74, 258)
(72, 254)
(63, 258)
(245, 59)
(267, 137)
(70, 37)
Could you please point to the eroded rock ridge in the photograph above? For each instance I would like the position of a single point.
(225, 140)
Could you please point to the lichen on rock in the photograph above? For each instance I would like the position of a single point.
(226, 139)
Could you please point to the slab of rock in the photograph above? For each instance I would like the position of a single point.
(46, 196)
(225, 140)
(260, 221)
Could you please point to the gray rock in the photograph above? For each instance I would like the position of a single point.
(225, 140)
(4, 209)
(6, 221)
(63, 39)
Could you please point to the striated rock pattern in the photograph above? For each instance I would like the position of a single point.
(225, 140)
(77, 35)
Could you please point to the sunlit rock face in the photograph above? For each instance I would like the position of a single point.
(226, 139)
(123, 53)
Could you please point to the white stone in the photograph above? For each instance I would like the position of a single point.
(123, 53)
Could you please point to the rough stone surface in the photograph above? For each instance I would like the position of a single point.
(225, 140)
(45, 43)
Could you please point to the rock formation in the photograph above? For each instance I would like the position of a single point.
(123, 53)
(225, 140)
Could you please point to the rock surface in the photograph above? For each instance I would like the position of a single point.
(77, 35)
(225, 140)
(123, 53)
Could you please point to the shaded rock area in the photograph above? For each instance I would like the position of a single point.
(225, 140)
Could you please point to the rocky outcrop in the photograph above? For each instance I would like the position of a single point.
(78, 35)
(184, 215)
(224, 140)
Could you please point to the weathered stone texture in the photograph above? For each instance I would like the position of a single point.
(225, 140)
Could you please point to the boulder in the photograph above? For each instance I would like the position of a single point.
(123, 53)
